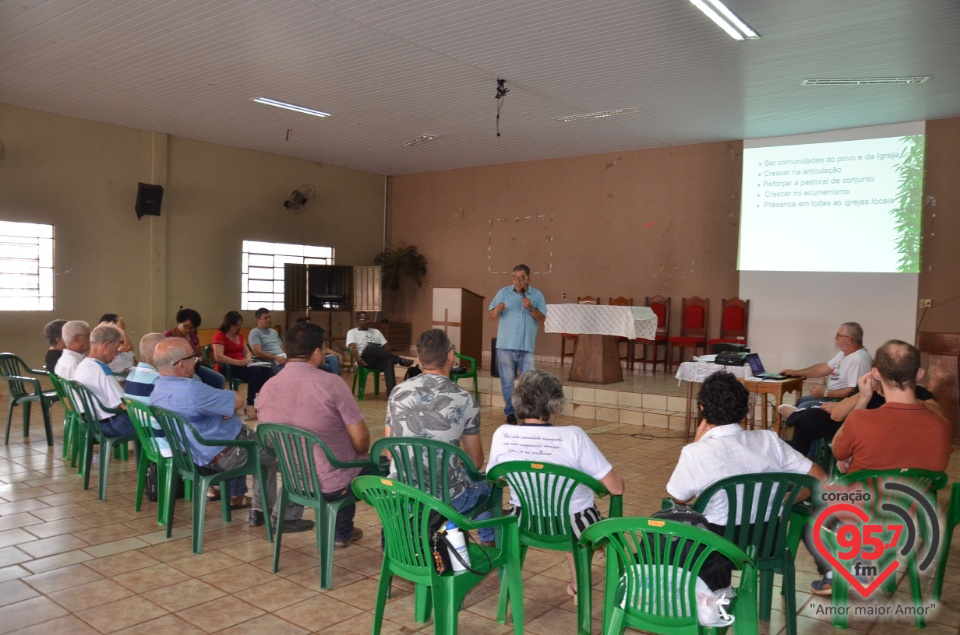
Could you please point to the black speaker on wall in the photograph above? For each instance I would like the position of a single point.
(149, 198)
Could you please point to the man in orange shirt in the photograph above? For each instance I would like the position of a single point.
(903, 433)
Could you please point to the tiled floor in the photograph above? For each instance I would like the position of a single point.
(72, 564)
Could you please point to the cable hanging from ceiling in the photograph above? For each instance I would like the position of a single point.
(502, 91)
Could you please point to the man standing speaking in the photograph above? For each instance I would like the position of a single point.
(520, 309)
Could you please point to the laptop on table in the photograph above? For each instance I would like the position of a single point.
(757, 370)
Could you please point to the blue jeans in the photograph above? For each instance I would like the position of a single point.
(210, 377)
(117, 426)
(808, 401)
(511, 363)
(331, 364)
(469, 498)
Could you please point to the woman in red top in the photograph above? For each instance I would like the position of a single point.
(230, 349)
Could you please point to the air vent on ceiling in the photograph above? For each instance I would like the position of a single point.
(421, 139)
(863, 81)
(598, 115)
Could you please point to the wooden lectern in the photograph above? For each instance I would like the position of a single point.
(459, 312)
(944, 351)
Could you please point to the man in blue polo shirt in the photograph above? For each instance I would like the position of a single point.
(212, 413)
(521, 309)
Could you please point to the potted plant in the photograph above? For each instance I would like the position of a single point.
(396, 262)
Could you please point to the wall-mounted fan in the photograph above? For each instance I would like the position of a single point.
(300, 198)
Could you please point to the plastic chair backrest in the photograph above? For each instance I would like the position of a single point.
(756, 501)
(405, 514)
(141, 416)
(60, 386)
(87, 404)
(659, 561)
(12, 367)
(176, 430)
(425, 463)
(296, 452)
(544, 491)
(872, 481)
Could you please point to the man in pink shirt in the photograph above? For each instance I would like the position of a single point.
(305, 397)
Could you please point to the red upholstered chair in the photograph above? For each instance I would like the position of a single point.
(628, 352)
(573, 337)
(661, 308)
(694, 319)
(734, 319)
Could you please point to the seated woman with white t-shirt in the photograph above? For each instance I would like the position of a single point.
(537, 400)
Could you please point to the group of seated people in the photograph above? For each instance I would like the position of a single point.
(889, 422)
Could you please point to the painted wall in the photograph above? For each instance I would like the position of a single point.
(82, 177)
(647, 222)
(637, 223)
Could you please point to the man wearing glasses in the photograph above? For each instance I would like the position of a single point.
(851, 361)
(212, 413)
(521, 309)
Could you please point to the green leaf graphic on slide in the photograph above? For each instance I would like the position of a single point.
(909, 203)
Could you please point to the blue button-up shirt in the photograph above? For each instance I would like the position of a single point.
(517, 329)
(209, 410)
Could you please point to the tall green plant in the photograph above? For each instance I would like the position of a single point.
(396, 263)
(909, 208)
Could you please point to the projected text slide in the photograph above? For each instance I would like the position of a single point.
(837, 206)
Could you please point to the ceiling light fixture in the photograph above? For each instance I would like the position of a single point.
(293, 107)
(598, 115)
(421, 139)
(863, 81)
(726, 19)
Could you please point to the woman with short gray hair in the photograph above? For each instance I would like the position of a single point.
(537, 400)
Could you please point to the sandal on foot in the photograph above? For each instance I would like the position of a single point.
(239, 502)
(213, 493)
(822, 587)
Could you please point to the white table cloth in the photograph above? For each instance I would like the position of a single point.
(698, 372)
(602, 319)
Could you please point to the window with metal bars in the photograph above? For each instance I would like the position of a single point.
(26, 267)
(262, 270)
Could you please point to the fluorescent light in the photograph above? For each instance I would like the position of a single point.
(417, 141)
(864, 81)
(293, 107)
(726, 19)
(598, 115)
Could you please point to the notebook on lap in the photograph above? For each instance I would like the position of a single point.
(756, 368)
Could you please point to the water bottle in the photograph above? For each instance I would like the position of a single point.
(458, 543)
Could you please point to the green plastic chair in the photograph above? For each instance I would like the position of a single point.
(73, 429)
(766, 542)
(142, 418)
(467, 375)
(223, 369)
(296, 450)
(544, 491)
(405, 514)
(951, 521)
(177, 431)
(651, 575)
(426, 463)
(926, 482)
(88, 405)
(360, 378)
(25, 391)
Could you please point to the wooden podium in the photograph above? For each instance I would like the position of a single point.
(944, 351)
(459, 312)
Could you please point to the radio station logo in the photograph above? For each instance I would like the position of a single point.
(874, 533)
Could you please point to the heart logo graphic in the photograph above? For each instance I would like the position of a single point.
(837, 566)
